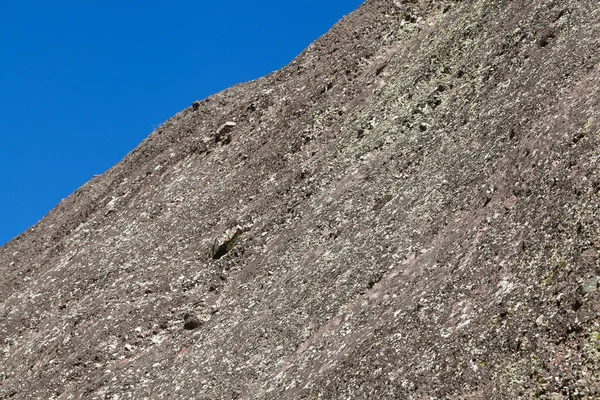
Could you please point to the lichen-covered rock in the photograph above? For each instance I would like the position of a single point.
(424, 189)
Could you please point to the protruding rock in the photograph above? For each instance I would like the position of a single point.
(380, 68)
(510, 202)
(224, 132)
(225, 243)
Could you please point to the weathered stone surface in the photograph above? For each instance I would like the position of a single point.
(426, 229)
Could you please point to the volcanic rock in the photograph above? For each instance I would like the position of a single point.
(423, 184)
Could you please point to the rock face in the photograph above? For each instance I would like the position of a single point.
(421, 189)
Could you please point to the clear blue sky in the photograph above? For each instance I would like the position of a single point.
(84, 82)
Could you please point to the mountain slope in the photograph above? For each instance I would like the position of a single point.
(408, 210)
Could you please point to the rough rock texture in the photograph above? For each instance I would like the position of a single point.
(409, 210)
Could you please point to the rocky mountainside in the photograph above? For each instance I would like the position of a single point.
(409, 210)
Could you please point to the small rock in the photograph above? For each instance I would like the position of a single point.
(223, 133)
(195, 105)
(190, 322)
(227, 126)
(222, 245)
(111, 206)
(510, 202)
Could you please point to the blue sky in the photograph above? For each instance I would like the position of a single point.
(84, 82)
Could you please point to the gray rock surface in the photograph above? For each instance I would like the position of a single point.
(422, 191)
